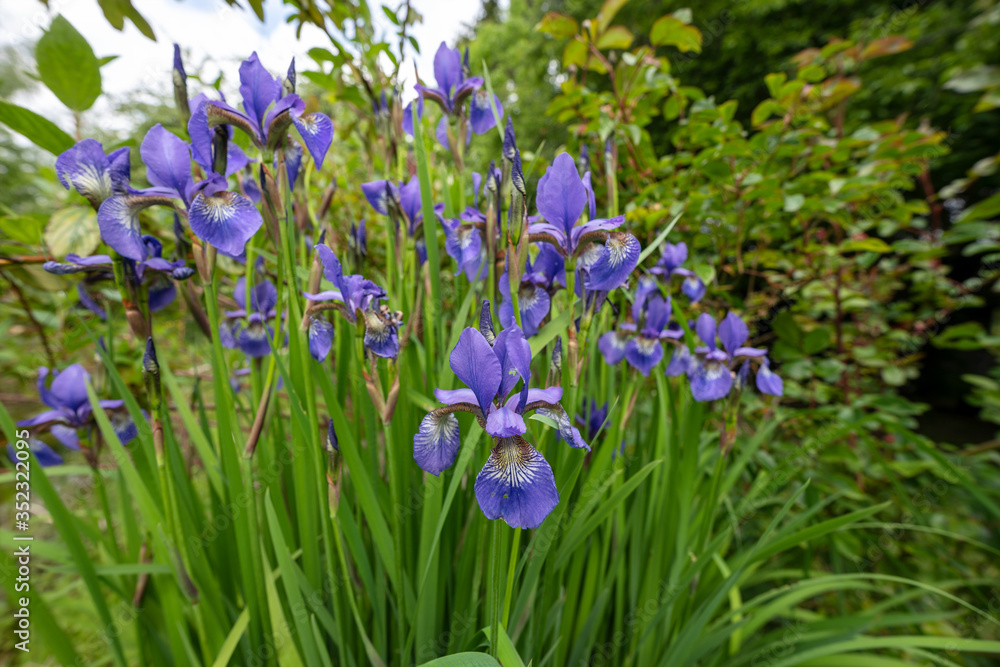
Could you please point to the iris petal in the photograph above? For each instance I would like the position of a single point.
(505, 423)
(616, 262)
(436, 442)
(710, 380)
(118, 220)
(224, 220)
(567, 432)
(316, 130)
(733, 332)
(474, 363)
(561, 195)
(612, 346)
(516, 485)
(320, 338)
(644, 353)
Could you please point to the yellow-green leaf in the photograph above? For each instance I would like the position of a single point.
(616, 37)
(558, 25)
(72, 229)
(865, 245)
(671, 31)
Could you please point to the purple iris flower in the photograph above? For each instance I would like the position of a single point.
(640, 342)
(541, 278)
(267, 112)
(561, 198)
(69, 407)
(517, 483)
(710, 370)
(155, 272)
(453, 88)
(226, 220)
(669, 265)
(351, 294)
(391, 199)
(90, 172)
(358, 240)
(249, 329)
(46, 456)
(595, 419)
(464, 244)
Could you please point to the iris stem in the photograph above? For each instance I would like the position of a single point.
(511, 567)
(495, 610)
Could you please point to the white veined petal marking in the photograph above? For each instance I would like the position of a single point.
(439, 429)
(308, 124)
(89, 180)
(218, 209)
(714, 370)
(617, 249)
(646, 345)
(513, 463)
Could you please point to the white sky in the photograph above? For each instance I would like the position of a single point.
(209, 32)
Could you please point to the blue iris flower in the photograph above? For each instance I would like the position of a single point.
(561, 198)
(710, 369)
(454, 86)
(353, 295)
(70, 410)
(516, 483)
(669, 265)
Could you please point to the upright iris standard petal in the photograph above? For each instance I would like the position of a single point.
(616, 262)
(561, 194)
(516, 485)
(733, 333)
(69, 387)
(474, 363)
(118, 220)
(316, 130)
(167, 159)
(710, 379)
(447, 69)
(436, 443)
(704, 326)
(258, 89)
(514, 354)
(481, 116)
(225, 220)
(320, 338)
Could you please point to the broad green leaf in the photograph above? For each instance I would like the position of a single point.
(116, 11)
(67, 65)
(607, 14)
(671, 31)
(72, 230)
(616, 37)
(38, 129)
(558, 25)
(865, 245)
